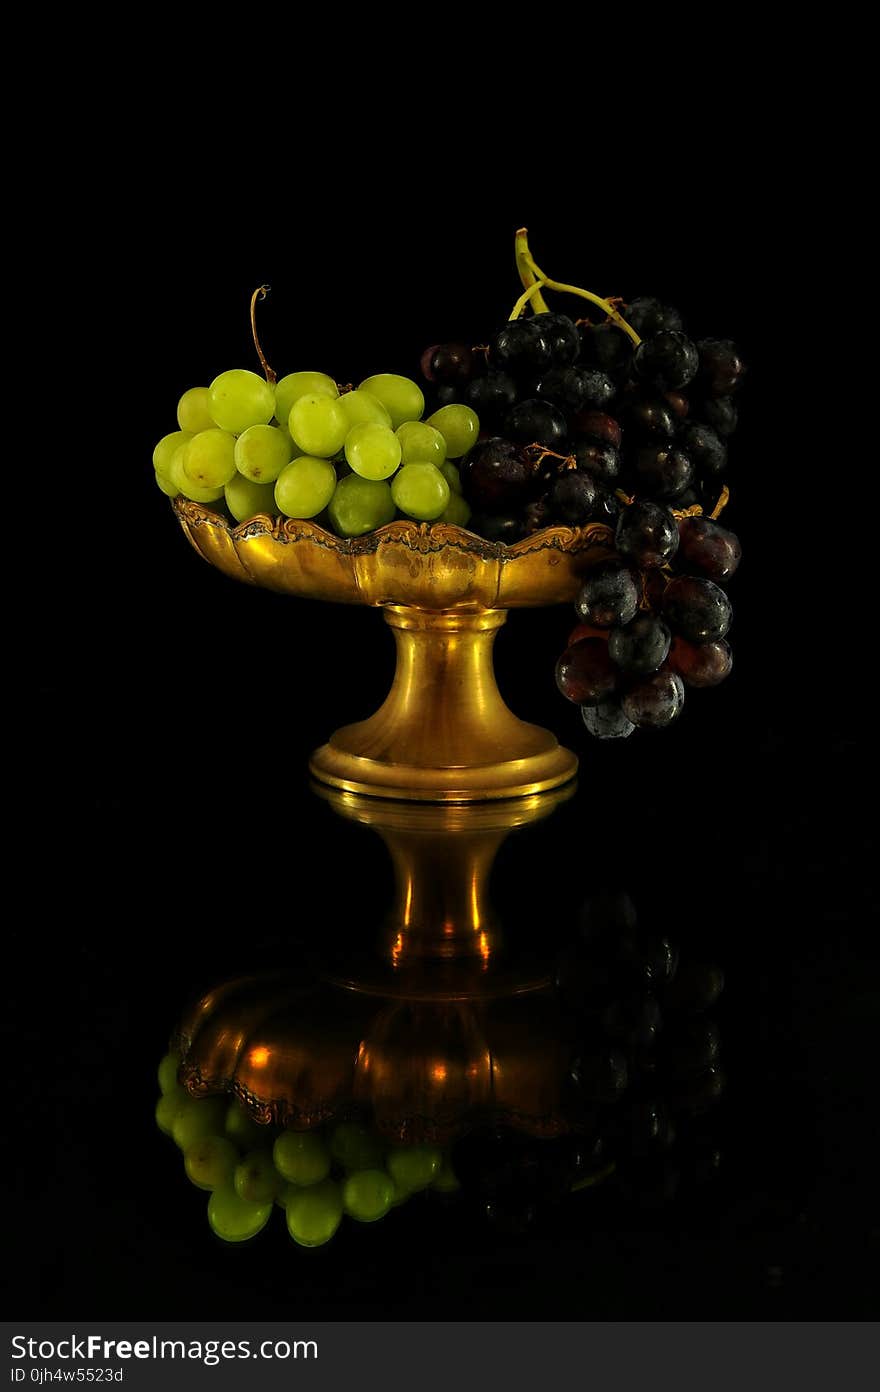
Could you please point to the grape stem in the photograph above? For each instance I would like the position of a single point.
(539, 281)
(526, 273)
(260, 294)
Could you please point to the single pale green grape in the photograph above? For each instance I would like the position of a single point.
(413, 1167)
(304, 487)
(209, 458)
(401, 397)
(168, 488)
(168, 1072)
(301, 1157)
(360, 505)
(192, 411)
(245, 499)
(452, 476)
(372, 450)
(421, 491)
(262, 452)
(203, 1117)
(297, 384)
(367, 1195)
(256, 1178)
(313, 1215)
(459, 426)
(354, 1147)
(446, 1181)
(318, 425)
(169, 1107)
(234, 1219)
(457, 511)
(167, 448)
(420, 443)
(363, 406)
(239, 399)
(210, 1161)
(244, 1131)
(185, 485)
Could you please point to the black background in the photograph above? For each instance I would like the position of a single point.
(170, 835)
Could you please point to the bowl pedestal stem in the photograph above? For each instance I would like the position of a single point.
(443, 733)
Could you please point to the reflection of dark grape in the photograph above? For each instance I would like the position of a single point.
(572, 499)
(602, 461)
(648, 316)
(598, 427)
(520, 348)
(698, 1091)
(667, 361)
(696, 609)
(705, 448)
(696, 987)
(608, 596)
(641, 646)
(607, 721)
(707, 547)
(599, 1075)
(647, 533)
(536, 422)
(691, 1046)
(655, 702)
(635, 1020)
(585, 673)
(721, 367)
(700, 665)
(495, 475)
(662, 471)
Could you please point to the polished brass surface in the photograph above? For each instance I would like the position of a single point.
(444, 733)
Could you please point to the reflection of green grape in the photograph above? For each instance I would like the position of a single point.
(413, 1167)
(192, 410)
(304, 487)
(367, 1195)
(256, 1178)
(297, 384)
(421, 444)
(209, 459)
(457, 511)
(452, 476)
(360, 505)
(354, 1147)
(262, 452)
(245, 499)
(169, 1107)
(318, 425)
(372, 450)
(203, 1117)
(166, 450)
(185, 485)
(210, 1161)
(238, 399)
(301, 1157)
(234, 1219)
(420, 491)
(313, 1215)
(246, 1132)
(168, 1072)
(459, 426)
(446, 1181)
(401, 397)
(362, 406)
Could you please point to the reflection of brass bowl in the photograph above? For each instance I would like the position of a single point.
(444, 733)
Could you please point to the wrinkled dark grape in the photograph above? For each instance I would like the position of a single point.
(585, 673)
(491, 396)
(721, 414)
(447, 362)
(707, 547)
(668, 360)
(562, 335)
(602, 461)
(647, 533)
(654, 702)
(696, 609)
(662, 471)
(721, 367)
(501, 527)
(641, 647)
(606, 721)
(598, 427)
(704, 447)
(536, 422)
(495, 475)
(700, 665)
(520, 348)
(572, 499)
(606, 347)
(648, 316)
(650, 419)
(609, 596)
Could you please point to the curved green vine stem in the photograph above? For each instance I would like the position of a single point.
(527, 261)
(526, 273)
(260, 294)
(532, 293)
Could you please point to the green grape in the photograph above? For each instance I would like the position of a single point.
(203, 1117)
(354, 1147)
(413, 1167)
(234, 1219)
(192, 411)
(185, 485)
(301, 1157)
(168, 1072)
(166, 450)
(367, 1195)
(210, 1161)
(313, 1215)
(297, 384)
(245, 499)
(288, 1191)
(420, 443)
(360, 505)
(209, 459)
(239, 399)
(362, 406)
(452, 476)
(457, 511)
(256, 1178)
(459, 426)
(169, 1107)
(372, 450)
(304, 487)
(262, 452)
(318, 425)
(168, 488)
(244, 1131)
(446, 1181)
(401, 397)
(421, 491)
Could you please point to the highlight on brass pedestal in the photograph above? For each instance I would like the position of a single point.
(443, 1069)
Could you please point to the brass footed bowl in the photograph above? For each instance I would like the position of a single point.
(443, 734)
